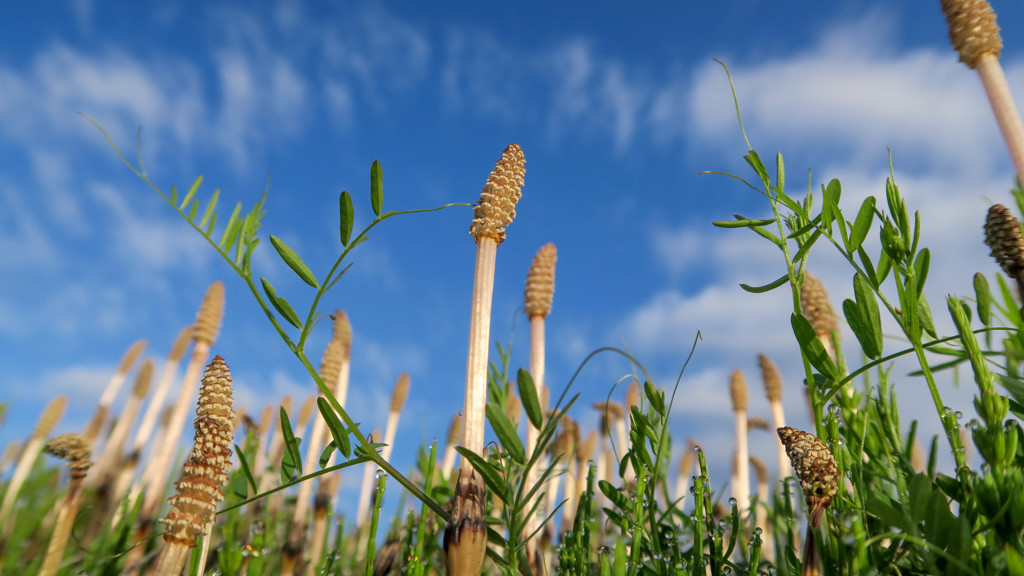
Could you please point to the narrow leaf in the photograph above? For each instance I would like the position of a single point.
(506, 433)
(191, 193)
(244, 463)
(742, 223)
(280, 304)
(528, 395)
(655, 397)
(490, 475)
(812, 347)
(983, 297)
(210, 208)
(210, 226)
(293, 261)
(807, 246)
(376, 187)
(291, 462)
(193, 209)
(921, 265)
(240, 488)
(924, 314)
(862, 225)
(755, 162)
(334, 424)
(860, 328)
(231, 230)
(347, 214)
(767, 235)
(780, 172)
(767, 287)
(325, 456)
(867, 305)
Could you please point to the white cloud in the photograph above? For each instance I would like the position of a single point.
(858, 100)
(117, 90)
(145, 243)
(24, 239)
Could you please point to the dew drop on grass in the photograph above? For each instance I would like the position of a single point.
(758, 531)
(733, 502)
(380, 474)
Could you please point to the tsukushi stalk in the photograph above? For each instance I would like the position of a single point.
(465, 537)
(200, 487)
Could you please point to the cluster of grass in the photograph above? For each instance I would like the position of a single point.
(857, 499)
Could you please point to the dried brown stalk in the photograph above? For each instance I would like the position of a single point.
(74, 449)
(204, 473)
(465, 537)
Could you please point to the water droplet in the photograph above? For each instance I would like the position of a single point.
(758, 531)
(380, 474)
(733, 502)
(602, 551)
(959, 415)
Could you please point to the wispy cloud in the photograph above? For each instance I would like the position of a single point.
(856, 98)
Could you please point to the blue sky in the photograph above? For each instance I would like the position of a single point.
(617, 107)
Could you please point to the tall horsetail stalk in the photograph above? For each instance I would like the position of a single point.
(465, 537)
(398, 396)
(772, 379)
(204, 334)
(537, 300)
(110, 459)
(741, 478)
(99, 417)
(330, 369)
(337, 377)
(203, 475)
(152, 414)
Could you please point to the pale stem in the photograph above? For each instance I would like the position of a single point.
(999, 97)
(537, 361)
(65, 520)
(479, 342)
(779, 421)
(742, 488)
